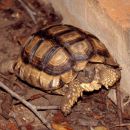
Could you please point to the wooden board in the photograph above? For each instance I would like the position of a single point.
(109, 20)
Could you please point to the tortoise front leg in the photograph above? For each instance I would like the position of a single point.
(75, 91)
(71, 96)
(104, 75)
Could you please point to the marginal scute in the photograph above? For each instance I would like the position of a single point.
(22, 71)
(97, 58)
(99, 47)
(34, 77)
(45, 80)
(111, 61)
(55, 82)
(27, 74)
(100, 53)
(80, 65)
(68, 76)
(18, 65)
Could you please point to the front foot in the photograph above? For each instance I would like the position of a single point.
(76, 89)
(71, 96)
(104, 76)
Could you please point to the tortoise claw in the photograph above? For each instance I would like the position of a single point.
(106, 87)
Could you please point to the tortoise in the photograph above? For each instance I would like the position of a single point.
(66, 60)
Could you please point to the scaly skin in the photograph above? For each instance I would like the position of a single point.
(71, 96)
(75, 91)
(106, 76)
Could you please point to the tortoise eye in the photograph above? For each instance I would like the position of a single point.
(89, 74)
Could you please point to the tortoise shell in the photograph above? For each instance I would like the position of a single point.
(57, 49)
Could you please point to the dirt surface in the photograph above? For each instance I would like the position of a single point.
(94, 111)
